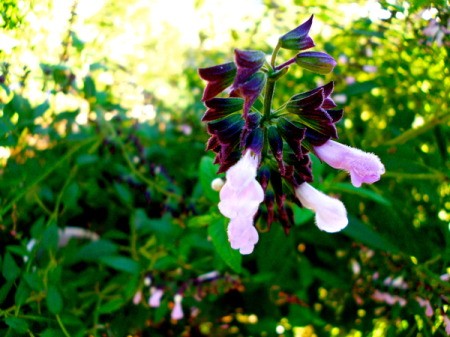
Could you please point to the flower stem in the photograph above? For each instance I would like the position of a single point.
(285, 64)
(274, 54)
(268, 95)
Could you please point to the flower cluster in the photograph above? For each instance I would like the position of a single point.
(161, 287)
(250, 139)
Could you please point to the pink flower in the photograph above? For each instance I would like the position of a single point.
(388, 298)
(447, 325)
(137, 297)
(363, 167)
(239, 200)
(155, 297)
(331, 215)
(177, 311)
(242, 234)
(425, 303)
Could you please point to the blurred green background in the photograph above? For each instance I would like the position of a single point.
(100, 130)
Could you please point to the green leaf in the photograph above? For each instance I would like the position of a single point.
(19, 250)
(41, 109)
(359, 231)
(10, 268)
(51, 333)
(22, 293)
(86, 159)
(362, 192)
(301, 215)
(4, 290)
(89, 88)
(54, 300)
(96, 249)
(218, 233)
(111, 306)
(34, 281)
(207, 175)
(200, 220)
(19, 325)
(164, 228)
(360, 88)
(124, 193)
(121, 263)
(50, 238)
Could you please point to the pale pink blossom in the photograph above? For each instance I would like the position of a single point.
(242, 234)
(399, 283)
(155, 297)
(240, 197)
(445, 277)
(370, 68)
(137, 297)
(425, 303)
(388, 298)
(240, 202)
(356, 268)
(208, 276)
(447, 325)
(331, 215)
(177, 311)
(363, 167)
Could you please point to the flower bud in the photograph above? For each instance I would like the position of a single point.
(217, 184)
(218, 77)
(298, 39)
(248, 62)
(316, 62)
(221, 107)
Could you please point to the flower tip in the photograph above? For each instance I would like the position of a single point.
(334, 226)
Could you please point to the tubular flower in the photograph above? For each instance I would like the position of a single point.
(331, 215)
(239, 200)
(245, 128)
(177, 311)
(155, 297)
(363, 167)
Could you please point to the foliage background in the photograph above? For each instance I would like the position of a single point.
(100, 129)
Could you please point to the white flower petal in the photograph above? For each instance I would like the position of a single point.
(331, 215)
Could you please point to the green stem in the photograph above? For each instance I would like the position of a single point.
(61, 325)
(133, 169)
(54, 216)
(23, 192)
(417, 176)
(413, 133)
(268, 96)
(274, 54)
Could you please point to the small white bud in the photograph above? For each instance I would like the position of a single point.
(217, 184)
